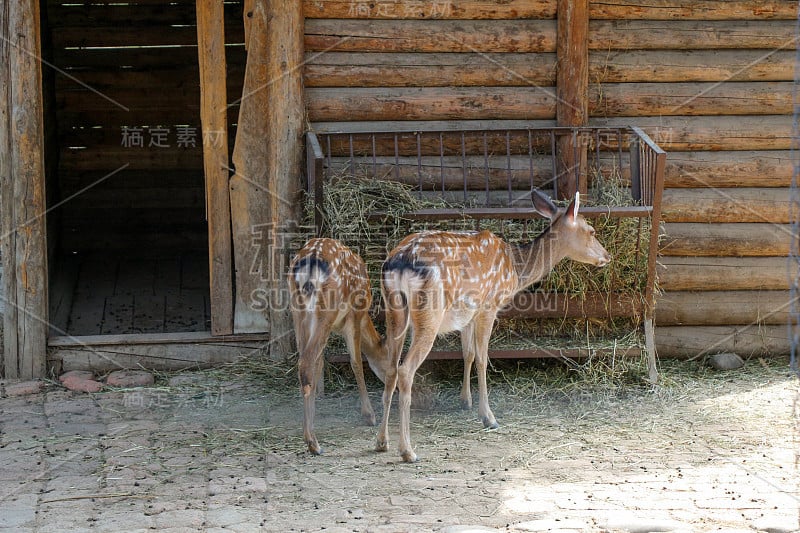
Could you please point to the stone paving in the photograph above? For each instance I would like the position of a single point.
(204, 453)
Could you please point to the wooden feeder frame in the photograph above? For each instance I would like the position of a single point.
(646, 163)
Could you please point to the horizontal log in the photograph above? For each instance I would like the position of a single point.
(119, 36)
(768, 168)
(665, 66)
(163, 14)
(430, 103)
(692, 10)
(519, 36)
(110, 158)
(691, 35)
(554, 305)
(726, 240)
(769, 132)
(79, 59)
(725, 273)
(648, 99)
(355, 69)
(688, 342)
(722, 308)
(437, 10)
(727, 205)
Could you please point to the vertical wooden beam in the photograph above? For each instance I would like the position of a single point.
(249, 188)
(22, 170)
(572, 81)
(285, 118)
(214, 117)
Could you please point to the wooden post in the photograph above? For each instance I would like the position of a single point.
(572, 81)
(24, 242)
(249, 189)
(285, 113)
(214, 117)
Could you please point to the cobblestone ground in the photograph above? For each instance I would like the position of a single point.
(216, 452)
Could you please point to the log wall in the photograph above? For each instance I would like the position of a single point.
(710, 81)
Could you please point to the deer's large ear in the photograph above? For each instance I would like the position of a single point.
(543, 204)
(572, 208)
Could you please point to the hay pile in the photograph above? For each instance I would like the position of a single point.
(349, 198)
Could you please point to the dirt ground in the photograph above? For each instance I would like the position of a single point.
(222, 450)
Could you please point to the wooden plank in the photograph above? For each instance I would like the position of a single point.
(664, 66)
(725, 240)
(166, 357)
(768, 168)
(63, 283)
(24, 226)
(148, 313)
(123, 59)
(518, 36)
(7, 220)
(691, 35)
(730, 98)
(722, 308)
(771, 132)
(354, 69)
(286, 121)
(690, 342)
(727, 205)
(592, 305)
(693, 10)
(572, 88)
(211, 51)
(114, 36)
(118, 315)
(413, 9)
(135, 276)
(184, 310)
(249, 186)
(182, 337)
(86, 316)
(430, 103)
(725, 273)
(132, 15)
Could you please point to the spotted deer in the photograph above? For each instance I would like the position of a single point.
(437, 282)
(330, 292)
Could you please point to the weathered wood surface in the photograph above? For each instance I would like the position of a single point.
(726, 240)
(769, 132)
(767, 168)
(685, 66)
(463, 9)
(430, 103)
(691, 35)
(249, 186)
(572, 91)
(687, 342)
(686, 99)
(691, 10)
(722, 308)
(518, 36)
(727, 205)
(354, 69)
(214, 116)
(725, 273)
(7, 249)
(284, 151)
(23, 218)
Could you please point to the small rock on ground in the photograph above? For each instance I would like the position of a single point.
(80, 381)
(130, 378)
(24, 388)
(726, 361)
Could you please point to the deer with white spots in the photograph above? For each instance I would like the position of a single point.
(330, 292)
(436, 282)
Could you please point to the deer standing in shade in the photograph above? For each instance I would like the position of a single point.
(438, 281)
(330, 292)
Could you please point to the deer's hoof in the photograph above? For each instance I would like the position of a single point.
(381, 446)
(466, 405)
(490, 423)
(369, 418)
(409, 457)
(315, 448)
